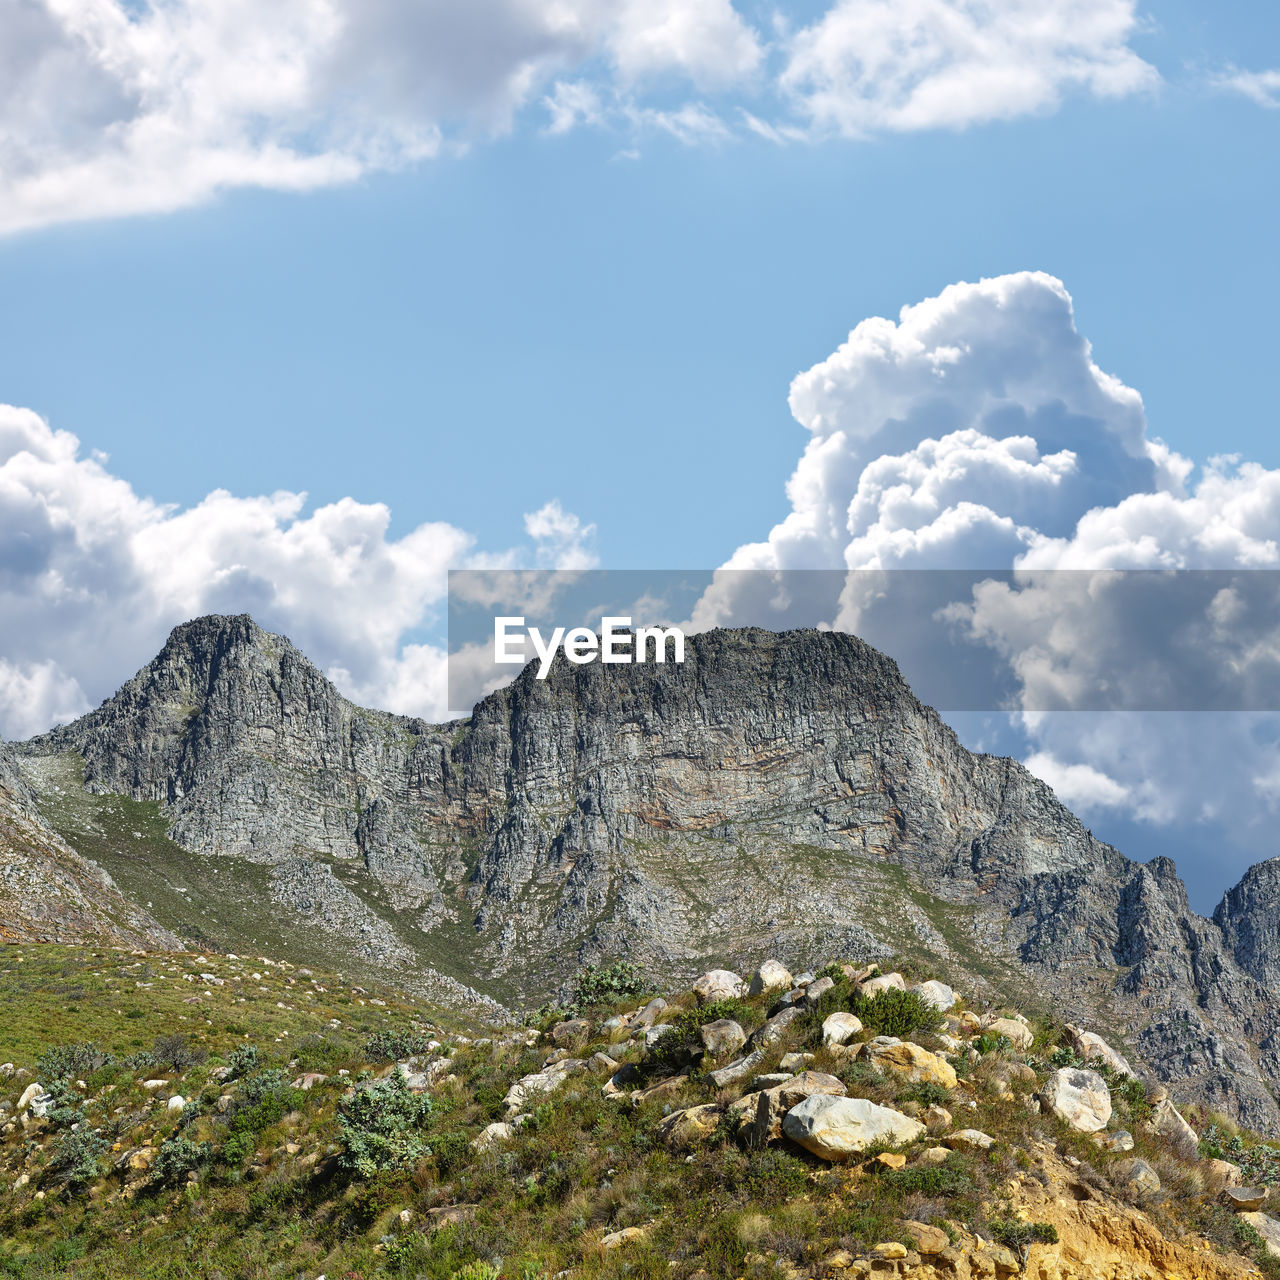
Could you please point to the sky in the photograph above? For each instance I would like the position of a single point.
(308, 303)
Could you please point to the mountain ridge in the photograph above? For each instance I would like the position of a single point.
(775, 792)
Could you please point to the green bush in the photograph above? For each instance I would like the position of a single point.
(71, 1061)
(774, 1176)
(387, 1046)
(606, 984)
(178, 1157)
(264, 1099)
(680, 1045)
(77, 1158)
(382, 1126)
(243, 1060)
(928, 1180)
(894, 1013)
(1017, 1235)
(1259, 1164)
(477, 1271)
(450, 1150)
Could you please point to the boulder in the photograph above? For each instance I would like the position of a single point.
(1167, 1121)
(615, 1239)
(910, 1061)
(1244, 1199)
(1121, 1140)
(719, 984)
(816, 990)
(176, 1103)
(1093, 1048)
(722, 1036)
(682, 1129)
(840, 1028)
(737, 1070)
(774, 1103)
(492, 1134)
(570, 1033)
(1079, 1097)
(834, 1128)
(937, 1119)
(1268, 1228)
(1222, 1173)
(937, 994)
(28, 1095)
(775, 1028)
(934, 1156)
(795, 1061)
(771, 976)
(1017, 1033)
(972, 1140)
(1138, 1176)
(930, 1240)
(874, 986)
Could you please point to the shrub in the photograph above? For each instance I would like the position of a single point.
(987, 1043)
(384, 1046)
(775, 1176)
(264, 1099)
(928, 1180)
(894, 1013)
(178, 1157)
(77, 1158)
(601, 985)
(450, 1150)
(477, 1271)
(242, 1060)
(1016, 1234)
(176, 1052)
(1259, 1164)
(679, 1045)
(72, 1061)
(382, 1126)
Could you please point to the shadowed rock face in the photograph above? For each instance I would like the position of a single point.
(773, 792)
(48, 892)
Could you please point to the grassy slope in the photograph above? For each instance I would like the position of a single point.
(541, 1203)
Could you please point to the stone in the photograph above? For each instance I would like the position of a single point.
(737, 1070)
(719, 984)
(929, 1240)
(934, 1156)
(29, 1095)
(840, 1028)
(601, 1062)
(451, 1215)
(774, 1103)
(405, 1217)
(971, 1140)
(1078, 1096)
(796, 1061)
(775, 1028)
(1244, 1199)
(772, 1079)
(891, 1160)
(889, 1249)
(874, 986)
(1222, 1173)
(176, 1103)
(1140, 1177)
(654, 1034)
(910, 1061)
(152, 1085)
(771, 976)
(570, 1033)
(1093, 1048)
(615, 1239)
(309, 1079)
(682, 1129)
(1120, 1141)
(1018, 1033)
(6, 1070)
(1267, 1227)
(816, 990)
(1167, 1121)
(937, 1119)
(937, 994)
(493, 1134)
(835, 1128)
(721, 1037)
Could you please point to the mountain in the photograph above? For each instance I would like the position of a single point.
(48, 892)
(775, 794)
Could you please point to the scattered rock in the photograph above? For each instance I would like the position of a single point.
(774, 1103)
(492, 1134)
(937, 1119)
(935, 1155)
(1121, 1140)
(1167, 1121)
(840, 1028)
(1078, 1096)
(835, 1128)
(176, 1103)
(971, 1140)
(909, 1060)
(891, 1160)
(722, 1036)
(929, 1240)
(1017, 1033)
(817, 989)
(773, 1030)
(570, 1033)
(937, 994)
(1222, 1173)
(451, 1215)
(771, 976)
(1244, 1199)
(889, 1249)
(29, 1095)
(617, 1238)
(1140, 1177)
(874, 986)
(737, 1070)
(796, 1061)
(1267, 1227)
(683, 1129)
(719, 984)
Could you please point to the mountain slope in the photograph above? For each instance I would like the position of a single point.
(773, 794)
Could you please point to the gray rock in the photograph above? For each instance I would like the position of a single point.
(722, 1036)
(737, 1070)
(1139, 1177)
(1079, 1097)
(834, 1128)
(719, 984)
(1244, 1199)
(771, 976)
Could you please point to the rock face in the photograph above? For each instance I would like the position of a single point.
(772, 793)
(50, 893)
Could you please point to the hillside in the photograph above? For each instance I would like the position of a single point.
(238, 1116)
(773, 795)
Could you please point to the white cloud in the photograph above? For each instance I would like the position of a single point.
(871, 65)
(110, 107)
(1262, 87)
(1079, 786)
(92, 577)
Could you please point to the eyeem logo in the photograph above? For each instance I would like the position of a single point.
(615, 643)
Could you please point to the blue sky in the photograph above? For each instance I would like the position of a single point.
(360, 262)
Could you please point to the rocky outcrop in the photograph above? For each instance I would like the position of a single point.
(774, 794)
(48, 892)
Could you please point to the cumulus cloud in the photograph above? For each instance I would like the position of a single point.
(93, 576)
(872, 65)
(111, 107)
(976, 431)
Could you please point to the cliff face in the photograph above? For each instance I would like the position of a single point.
(48, 892)
(773, 793)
